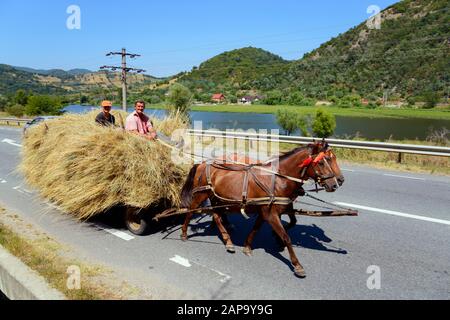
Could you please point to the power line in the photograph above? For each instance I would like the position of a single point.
(125, 70)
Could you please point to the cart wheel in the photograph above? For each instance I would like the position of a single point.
(135, 221)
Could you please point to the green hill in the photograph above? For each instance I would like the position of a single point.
(407, 56)
(238, 68)
(12, 79)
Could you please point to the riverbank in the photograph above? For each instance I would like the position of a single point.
(404, 113)
(381, 112)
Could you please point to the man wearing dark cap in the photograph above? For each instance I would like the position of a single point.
(105, 118)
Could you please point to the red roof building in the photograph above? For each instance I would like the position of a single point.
(218, 97)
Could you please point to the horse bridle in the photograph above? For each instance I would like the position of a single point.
(314, 161)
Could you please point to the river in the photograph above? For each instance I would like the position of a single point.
(370, 128)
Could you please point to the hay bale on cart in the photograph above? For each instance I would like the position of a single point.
(87, 169)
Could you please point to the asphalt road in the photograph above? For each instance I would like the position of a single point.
(401, 235)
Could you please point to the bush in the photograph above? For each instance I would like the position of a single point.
(324, 124)
(232, 99)
(16, 110)
(296, 99)
(179, 98)
(349, 101)
(154, 99)
(274, 97)
(411, 101)
(40, 105)
(431, 99)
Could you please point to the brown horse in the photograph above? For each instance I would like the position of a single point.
(251, 188)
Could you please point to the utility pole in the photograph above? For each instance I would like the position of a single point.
(124, 69)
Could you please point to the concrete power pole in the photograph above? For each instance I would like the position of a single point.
(124, 69)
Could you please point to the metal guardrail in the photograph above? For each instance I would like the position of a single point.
(14, 120)
(340, 143)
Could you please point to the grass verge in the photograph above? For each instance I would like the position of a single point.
(49, 259)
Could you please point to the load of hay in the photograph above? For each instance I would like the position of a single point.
(87, 169)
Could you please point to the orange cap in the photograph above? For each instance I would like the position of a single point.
(106, 103)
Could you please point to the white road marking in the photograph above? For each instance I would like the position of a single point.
(3, 181)
(181, 261)
(17, 188)
(22, 190)
(395, 213)
(11, 142)
(224, 277)
(52, 205)
(405, 177)
(186, 263)
(120, 234)
(350, 170)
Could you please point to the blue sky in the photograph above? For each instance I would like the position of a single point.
(171, 35)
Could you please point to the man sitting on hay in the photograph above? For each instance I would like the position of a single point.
(139, 123)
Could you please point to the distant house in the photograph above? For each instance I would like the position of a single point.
(250, 99)
(218, 97)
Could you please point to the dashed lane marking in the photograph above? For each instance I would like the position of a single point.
(22, 190)
(405, 177)
(120, 234)
(186, 263)
(181, 261)
(394, 213)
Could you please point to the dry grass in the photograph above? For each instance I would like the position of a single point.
(87, 169)
(51, 260)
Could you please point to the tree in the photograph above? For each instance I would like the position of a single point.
(324, 124)
(3, 102)
(21, 97)
(41, 105)
(179, 98)
(291, 121)
(84, 99)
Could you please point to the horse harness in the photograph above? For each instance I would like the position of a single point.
(271, 199)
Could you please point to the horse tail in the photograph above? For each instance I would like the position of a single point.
(186, 192)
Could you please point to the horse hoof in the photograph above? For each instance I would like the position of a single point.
(299, 272)
(183, 238)
(247, 252)
(230, 249)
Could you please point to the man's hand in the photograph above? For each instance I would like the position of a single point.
(152, 134)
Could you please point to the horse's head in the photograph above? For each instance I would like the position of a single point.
(322, 166)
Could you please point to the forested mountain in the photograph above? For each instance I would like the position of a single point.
(407, 55)
(60, 81)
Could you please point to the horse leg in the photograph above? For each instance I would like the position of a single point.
(251, 235)
(196, 202)
(275, 222)
(225, 236)
(291, 224)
